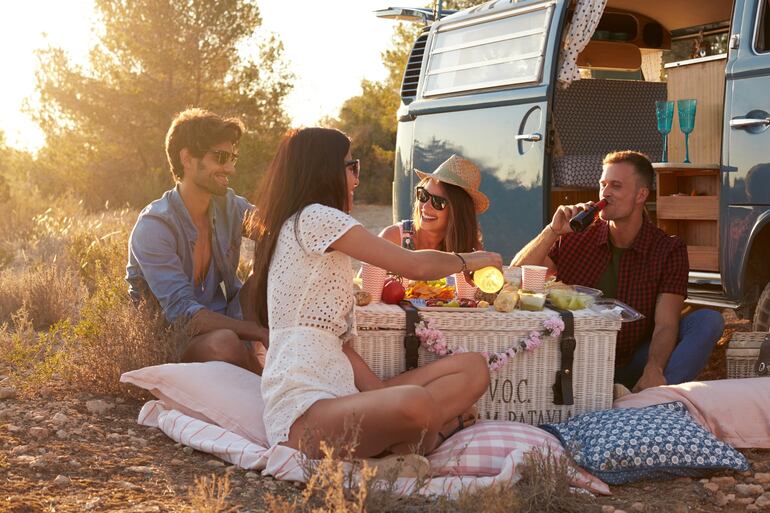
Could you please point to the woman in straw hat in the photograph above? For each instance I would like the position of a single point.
(447, 202)
(314, 382)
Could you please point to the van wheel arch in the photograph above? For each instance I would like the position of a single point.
(757, 281)
(762, 312)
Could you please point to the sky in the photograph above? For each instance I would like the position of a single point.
(330, 47)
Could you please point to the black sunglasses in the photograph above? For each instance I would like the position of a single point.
(423, 196)
(223, 157)
(355, 164)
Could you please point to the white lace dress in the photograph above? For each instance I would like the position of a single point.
(310, 311)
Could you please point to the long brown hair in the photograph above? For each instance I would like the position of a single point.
(309, 167)
(462, 232)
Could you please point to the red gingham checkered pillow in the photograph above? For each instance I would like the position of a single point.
(481, 450)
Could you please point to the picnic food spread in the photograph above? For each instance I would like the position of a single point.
(443, 294)
(435, 289)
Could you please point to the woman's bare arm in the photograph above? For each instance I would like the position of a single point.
(423, 264)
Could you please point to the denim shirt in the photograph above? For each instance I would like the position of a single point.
(160, 254)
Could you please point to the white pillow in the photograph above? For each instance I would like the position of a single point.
(215, 392)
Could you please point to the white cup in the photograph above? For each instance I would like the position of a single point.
(372, 280)
(533, 277)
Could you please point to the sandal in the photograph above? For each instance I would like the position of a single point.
(399, 465)
(460, 426)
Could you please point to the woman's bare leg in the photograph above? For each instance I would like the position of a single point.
(396, 419)
(456, 383)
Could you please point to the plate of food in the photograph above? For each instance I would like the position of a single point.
(435, 289)
(611, 306)
(453, 305)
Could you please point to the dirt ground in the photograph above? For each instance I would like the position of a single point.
(62, 452)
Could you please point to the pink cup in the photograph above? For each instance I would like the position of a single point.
(533, 277)
(372, 280)
(464, 290)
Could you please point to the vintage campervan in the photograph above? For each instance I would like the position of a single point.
(537, 91)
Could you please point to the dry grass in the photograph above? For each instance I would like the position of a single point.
(48, 294)
(209, 495)
(32, 358)
(64, 304)
(114, 336)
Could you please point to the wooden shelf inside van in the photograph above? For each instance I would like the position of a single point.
(688, 206)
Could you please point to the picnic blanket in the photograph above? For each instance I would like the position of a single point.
(216, 408)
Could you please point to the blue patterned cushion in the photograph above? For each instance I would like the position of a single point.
(655, 442)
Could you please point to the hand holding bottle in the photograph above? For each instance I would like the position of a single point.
(575, 218)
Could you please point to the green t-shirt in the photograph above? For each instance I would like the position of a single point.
(608, 281)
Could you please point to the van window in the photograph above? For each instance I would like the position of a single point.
(763, 29)
(485, 54)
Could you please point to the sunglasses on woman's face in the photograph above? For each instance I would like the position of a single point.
(423, 196)
(223, 157)
(354, 165)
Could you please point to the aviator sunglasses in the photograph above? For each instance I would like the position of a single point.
(223, 157)
(423, 196)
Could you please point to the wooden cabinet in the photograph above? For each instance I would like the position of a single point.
(688, 206)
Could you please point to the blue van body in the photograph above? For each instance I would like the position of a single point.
(507, 131)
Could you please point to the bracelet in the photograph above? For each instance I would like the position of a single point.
(465, 265)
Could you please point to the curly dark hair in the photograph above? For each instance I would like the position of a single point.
(198, 130)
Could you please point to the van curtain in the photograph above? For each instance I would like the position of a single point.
(585, 19)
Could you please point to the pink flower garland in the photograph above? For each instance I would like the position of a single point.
(433, 340)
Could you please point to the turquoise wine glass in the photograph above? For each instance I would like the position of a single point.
(664, 111)
(686, 110)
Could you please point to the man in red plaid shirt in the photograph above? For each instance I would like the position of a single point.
(629, 258)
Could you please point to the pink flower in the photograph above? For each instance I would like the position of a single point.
(533, 341)
(553, 326)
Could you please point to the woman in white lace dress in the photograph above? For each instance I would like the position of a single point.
(313, 381)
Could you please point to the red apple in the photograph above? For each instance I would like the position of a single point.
(392, 291)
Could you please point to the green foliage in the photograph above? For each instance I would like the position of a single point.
(31, 358)
(105, 125)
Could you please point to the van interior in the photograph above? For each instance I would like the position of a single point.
(640, 53)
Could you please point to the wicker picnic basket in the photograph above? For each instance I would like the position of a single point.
(520, 391)
(742, 355)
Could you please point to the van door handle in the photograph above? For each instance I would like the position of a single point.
(748, 122)
(533, 137)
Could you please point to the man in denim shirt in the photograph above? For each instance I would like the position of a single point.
(184, 249)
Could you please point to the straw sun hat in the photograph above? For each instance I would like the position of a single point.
(464, 174)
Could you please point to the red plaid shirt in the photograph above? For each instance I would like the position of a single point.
(655, 263)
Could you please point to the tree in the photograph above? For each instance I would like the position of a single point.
(105, 125)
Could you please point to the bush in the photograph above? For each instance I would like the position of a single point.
(33, 359)
(47, 294)
(114, 336)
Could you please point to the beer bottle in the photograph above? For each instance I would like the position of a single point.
(584, 219)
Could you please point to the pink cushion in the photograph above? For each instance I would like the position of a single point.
(736, 411)
(481, 450)
(215, 392)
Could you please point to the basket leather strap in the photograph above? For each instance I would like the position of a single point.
(562, 387)
(762, 367)
(411, 341)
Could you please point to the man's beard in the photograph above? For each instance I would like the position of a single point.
(206, 180)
